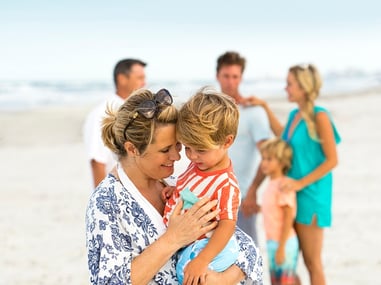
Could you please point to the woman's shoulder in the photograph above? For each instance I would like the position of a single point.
(107, 185)
(322, 113)
(319, 109)
(324, 117)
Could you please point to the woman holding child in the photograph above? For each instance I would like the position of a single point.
(127, 241)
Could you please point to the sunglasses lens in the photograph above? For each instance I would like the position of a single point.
(147, 109)
(164, 97)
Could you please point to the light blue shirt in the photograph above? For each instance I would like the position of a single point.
(253, 127)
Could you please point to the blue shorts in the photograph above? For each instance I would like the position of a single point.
(284, 273)
(221, 262)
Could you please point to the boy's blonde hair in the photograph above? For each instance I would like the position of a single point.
(281, 150)
(206, 119)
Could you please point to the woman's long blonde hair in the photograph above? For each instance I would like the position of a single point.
(310, 81)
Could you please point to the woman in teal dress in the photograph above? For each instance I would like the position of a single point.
(313, 138)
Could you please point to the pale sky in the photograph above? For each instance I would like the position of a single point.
(82, 40)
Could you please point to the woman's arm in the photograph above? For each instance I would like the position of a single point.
(275, 124)
(328, 144)
(182, 230)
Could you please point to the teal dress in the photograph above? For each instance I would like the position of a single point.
(316, 198)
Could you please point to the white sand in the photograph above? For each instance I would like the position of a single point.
(47, 184)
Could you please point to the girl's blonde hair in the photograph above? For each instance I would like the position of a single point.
(206, 119)
(281, 150)
(310, 81)
(140, 131)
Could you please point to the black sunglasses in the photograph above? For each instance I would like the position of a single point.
(149, 108)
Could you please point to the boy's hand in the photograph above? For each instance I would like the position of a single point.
(280, 255)
(195, 272)
(166, 193)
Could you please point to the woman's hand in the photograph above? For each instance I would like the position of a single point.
(252, 101)
(195, 222)
(289, 184)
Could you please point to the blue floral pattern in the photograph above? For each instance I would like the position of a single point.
(118, 229)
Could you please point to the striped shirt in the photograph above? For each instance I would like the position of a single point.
(221, 185)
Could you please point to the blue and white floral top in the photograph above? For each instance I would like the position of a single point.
(121, 223)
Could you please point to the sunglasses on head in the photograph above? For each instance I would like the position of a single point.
(149, 108)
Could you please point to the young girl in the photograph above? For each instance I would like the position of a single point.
(207, 126)
(278, 209)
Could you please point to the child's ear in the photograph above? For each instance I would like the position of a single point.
(229, 141)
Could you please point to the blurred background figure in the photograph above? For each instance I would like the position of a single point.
(253, 129)
(312, 135)
(129, 75)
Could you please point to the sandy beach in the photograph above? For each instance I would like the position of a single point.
(46, 184)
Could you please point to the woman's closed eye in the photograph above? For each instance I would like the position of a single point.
(176, 146)
(165, 150)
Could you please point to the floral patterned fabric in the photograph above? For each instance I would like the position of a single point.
(121, 223)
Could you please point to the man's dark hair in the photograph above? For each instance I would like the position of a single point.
(231, 58)
(124, 67)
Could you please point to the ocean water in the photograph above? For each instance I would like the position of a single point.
(21, 95)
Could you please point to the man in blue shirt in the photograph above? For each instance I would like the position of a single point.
(254, 128)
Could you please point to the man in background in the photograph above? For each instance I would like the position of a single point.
(129, 75)
(253, 129)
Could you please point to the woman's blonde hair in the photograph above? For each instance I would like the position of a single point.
(140, 131)
(281, 150)
(207, 118)
(310, 81)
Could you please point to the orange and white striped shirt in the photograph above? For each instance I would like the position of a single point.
(221, 185)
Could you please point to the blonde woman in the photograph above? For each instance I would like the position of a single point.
(313, 137)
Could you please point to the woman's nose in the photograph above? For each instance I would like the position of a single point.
(175, 155)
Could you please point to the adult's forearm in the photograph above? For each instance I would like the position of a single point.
(257, 181)
(318, 173)
(275, 124)
(148, 263)
(98, 170)
(182, 229)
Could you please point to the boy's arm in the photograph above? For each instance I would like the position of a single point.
(197, 268)
(288, 220)
(218, 240)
